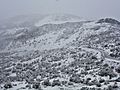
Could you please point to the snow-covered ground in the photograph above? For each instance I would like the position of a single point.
(60, 48)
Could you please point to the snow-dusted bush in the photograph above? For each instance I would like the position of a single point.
(118, 79)
(36, 85)
(75, 79)
(64, 82)
(46, 82)
(70, 83)
(8, 85)
(101, 80)
(28, 86)
(113, 87)
(84, 88)
(107, 72)
(118, 69)
(56, 83)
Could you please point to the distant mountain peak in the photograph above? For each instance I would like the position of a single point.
(109, 20)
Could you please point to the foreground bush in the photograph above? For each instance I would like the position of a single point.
(8, 85)
(36, 85)
(56, 83)
(46, 82)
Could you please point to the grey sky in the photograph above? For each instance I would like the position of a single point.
(83, 8)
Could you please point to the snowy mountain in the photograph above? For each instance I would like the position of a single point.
(44, 25)
(60, 51)
(58, 19)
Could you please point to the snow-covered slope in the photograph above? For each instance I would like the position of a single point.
(61, 52)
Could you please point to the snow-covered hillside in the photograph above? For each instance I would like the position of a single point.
(60, 52)
(58, 19)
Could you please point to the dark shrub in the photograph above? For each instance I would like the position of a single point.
(95, 82)
(70, 83)
(118, 79)
(98, 84)
(106, 82)
(118, 69)
(88, 79)
(46, 82)
(110, 87)
(28, 86)
(8, 85)
(75, 79)
(115, 85)
(36, 85)
(93, 57)
(101, 80)
(56, 83)
(106, 65)
(90, 83)
(64, 82)
(84, 88)
(106, 72)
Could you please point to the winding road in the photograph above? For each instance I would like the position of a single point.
(103, 55)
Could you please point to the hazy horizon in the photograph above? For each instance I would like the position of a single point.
(82, 8)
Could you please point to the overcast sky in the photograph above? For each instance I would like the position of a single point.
(83, 8)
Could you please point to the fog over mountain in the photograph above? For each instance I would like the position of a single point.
(59, 45)
(83, 8)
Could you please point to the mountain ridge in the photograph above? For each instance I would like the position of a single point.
(78, 52)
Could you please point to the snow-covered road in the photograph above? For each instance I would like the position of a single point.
(101, 54)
